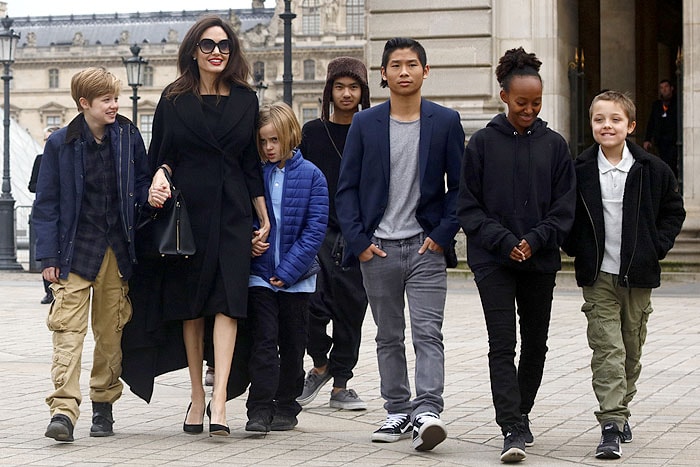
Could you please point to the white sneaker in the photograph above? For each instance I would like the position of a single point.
(428, 431)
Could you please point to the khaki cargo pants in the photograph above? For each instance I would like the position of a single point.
(617, 328)
(68, 319)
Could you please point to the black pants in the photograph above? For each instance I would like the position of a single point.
(669, 154)
(278, 322)
(514, 390)
(340, 297)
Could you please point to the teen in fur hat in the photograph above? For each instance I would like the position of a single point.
(347, 67)
(339, 295)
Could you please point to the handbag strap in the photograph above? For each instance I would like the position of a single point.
(168, 177)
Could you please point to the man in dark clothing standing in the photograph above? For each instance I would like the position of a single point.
(48, 296)
(662, 129)
(340, 296)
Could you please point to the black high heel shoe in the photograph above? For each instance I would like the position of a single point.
(193, 429)
(214, 428)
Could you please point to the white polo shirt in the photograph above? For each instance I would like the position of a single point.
(612, 190)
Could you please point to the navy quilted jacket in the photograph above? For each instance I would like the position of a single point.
(304, 220)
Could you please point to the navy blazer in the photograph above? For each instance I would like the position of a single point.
(363, 184)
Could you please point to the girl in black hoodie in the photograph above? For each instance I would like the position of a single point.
(516, 205)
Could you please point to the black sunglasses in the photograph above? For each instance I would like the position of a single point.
(207, 46)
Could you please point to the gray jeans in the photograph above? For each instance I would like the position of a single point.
(423, 280)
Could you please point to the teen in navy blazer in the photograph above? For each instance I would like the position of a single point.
(396, 206)
(366, 163)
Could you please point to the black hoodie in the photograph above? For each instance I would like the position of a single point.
(516, 186)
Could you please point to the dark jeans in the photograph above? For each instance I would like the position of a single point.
(514, 390)
(340, 297)
(278, 324)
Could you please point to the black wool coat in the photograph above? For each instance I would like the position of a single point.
(218, 172)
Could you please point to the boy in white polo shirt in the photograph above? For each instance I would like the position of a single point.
(628, 214)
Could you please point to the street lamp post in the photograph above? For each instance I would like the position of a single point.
(287, 16)
(260, 87)
(8, 250)
(135, 66)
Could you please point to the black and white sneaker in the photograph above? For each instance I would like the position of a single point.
(397, 426)
(428, 431)
(626, 433)
(513, 445)
(609, 446)
(527, 433)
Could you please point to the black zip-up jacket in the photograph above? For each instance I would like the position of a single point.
(652, 217)
(516, 186)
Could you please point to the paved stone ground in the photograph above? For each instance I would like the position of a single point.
(665, 420)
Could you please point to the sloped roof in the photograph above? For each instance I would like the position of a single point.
(153, 27)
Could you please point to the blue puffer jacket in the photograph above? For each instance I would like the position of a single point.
(304, 220)
(59, 192)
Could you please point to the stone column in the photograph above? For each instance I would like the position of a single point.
(691, 115)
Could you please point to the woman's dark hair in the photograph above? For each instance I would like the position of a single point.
(402, 43)
(516, 62)
(237, 68)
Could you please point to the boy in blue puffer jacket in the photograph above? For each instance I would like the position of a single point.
(283, 272)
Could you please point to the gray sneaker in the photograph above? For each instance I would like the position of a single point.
(347, 399)
(312, 384)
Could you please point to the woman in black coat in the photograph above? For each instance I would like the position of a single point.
(204, 136)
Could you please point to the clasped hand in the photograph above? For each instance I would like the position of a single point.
(159, 191)
(521, 251)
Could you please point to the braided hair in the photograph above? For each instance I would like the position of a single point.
(517, 62)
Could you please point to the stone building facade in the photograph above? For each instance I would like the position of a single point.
(52, 49)
(629, 45)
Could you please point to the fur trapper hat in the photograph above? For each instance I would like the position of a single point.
(337, 68)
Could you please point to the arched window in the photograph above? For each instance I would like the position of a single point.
(309, 70)
(311, 17)
(355, 16)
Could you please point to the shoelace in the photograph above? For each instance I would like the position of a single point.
(394, 420)
(313, 377)
(610, 436)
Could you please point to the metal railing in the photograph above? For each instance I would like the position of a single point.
(22, 215)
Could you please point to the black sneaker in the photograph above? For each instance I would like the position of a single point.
(626, 433)
(609, 446)
(102, 420)
(428, 431)
(260, 422)
(527, 434)
(48, 298)
(60, 428)
(283, 423)
(397, 426)
(513, 444)
(312, 384)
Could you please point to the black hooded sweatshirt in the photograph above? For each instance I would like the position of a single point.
(516, 186)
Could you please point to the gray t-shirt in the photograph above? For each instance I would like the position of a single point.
(399, 220)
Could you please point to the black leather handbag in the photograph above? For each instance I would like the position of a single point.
(169, 226)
